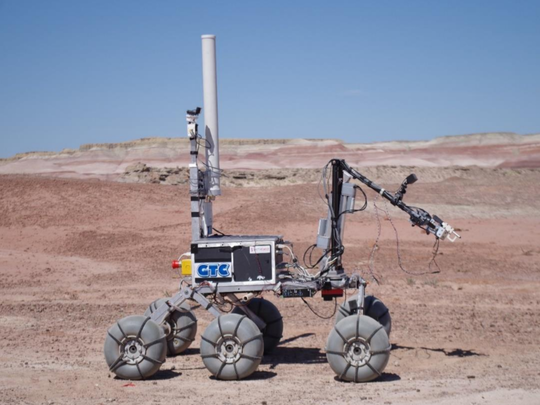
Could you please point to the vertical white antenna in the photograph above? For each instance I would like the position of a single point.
(211, 130)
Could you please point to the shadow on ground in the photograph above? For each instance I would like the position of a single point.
(257, 375)
(160, 375)
(292, 339)
(294, 355)
(446, 352)
(385, 377)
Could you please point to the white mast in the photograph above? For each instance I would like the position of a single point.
(211, 130)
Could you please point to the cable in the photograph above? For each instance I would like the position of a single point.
(305, 275)
(222, 304)
(206, 145)
(310, 249)
(399, 252)
(318, 260)
(321, 316)
(375, 247)
(218, 231)
(435, 252)
(362, 208)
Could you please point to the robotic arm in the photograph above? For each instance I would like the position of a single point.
(417, 216)
(341, 201)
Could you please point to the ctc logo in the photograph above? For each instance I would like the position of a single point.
(214, 270)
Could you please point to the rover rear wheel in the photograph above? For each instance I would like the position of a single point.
(358, 349)
(373, 307)
(268, 312)
(182, 326)
(232, 347)
(135, 347)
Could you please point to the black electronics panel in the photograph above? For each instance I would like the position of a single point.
(251, 266)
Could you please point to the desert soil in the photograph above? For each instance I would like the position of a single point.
(76, 255)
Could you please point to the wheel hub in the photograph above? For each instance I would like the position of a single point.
(168, 328)
(357, 352)
(134, 351)
(229, 349)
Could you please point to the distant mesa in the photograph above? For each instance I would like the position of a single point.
(110, 160)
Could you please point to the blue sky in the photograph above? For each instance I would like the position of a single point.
(75, 72)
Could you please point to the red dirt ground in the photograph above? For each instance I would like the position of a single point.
(76, 255)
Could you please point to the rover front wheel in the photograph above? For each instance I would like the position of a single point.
(358, 349)
(232, 347)
(135, 347)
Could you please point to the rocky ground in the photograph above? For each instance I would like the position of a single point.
(76, 255)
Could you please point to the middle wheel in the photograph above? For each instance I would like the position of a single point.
(268, 312)
(232, 347)
(182, 326)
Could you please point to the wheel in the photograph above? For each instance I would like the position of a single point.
(182, 326)
(232, 347)
(358, 349)
(373, 307)
(268, 312)
(135, 347)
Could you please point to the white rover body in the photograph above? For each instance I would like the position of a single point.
(229, 272)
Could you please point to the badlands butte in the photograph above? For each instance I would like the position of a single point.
(280, 161)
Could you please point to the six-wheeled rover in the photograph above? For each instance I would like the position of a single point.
(227, 275)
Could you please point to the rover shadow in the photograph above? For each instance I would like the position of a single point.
(257, 375)
(446, 352)
(292, 339)
(166, 375)
(388, 377)
(161, 375)
(190, 351)
(294, 355)
(385, 377)
(261, 375)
